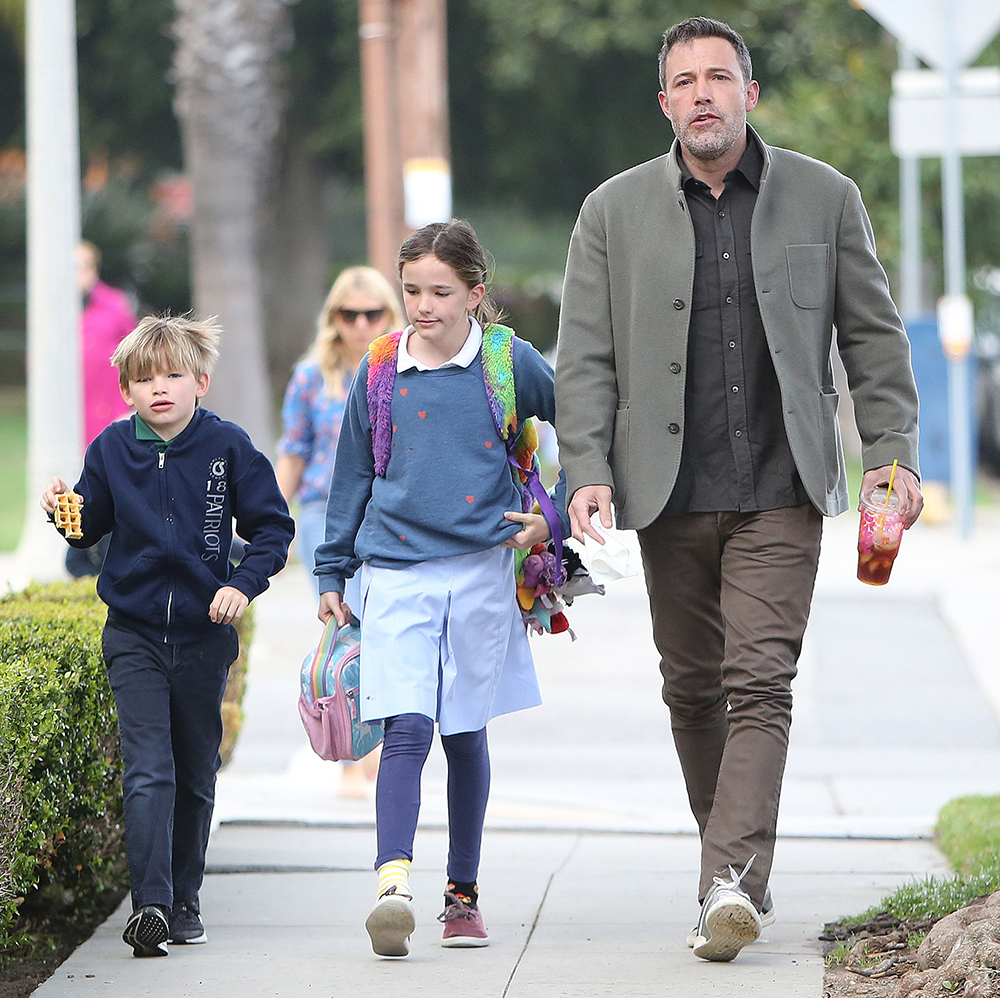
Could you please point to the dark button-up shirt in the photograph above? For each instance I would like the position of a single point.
(735, 455)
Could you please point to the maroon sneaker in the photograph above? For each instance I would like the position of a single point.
(463, 924)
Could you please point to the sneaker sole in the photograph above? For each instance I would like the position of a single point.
(196, 941)
(464, 942)
(731, 925)
(147, 936)
(389, 925)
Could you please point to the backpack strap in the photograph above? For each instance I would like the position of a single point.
(498, 372)
(381, 379)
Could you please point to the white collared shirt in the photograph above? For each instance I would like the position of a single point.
(464, 357)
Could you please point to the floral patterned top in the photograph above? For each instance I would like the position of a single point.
(311, 421)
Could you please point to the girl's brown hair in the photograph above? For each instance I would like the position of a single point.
(456, 244)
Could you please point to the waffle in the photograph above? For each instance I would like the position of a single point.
(68, 516)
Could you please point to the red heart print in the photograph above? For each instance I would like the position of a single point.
(403, 391)
(489, 444)
(422, 414)
(470, 498)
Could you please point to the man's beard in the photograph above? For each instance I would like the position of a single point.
(712, 144)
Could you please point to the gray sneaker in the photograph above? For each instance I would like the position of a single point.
(729, 920)
(766, 917)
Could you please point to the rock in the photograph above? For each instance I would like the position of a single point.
(962, 951)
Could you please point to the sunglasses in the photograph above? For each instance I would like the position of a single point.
(350, 315)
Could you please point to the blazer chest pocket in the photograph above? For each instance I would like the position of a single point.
(807, 273)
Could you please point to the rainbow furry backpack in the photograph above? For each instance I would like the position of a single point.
(521, 444)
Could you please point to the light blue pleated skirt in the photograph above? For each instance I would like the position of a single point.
(444, 638)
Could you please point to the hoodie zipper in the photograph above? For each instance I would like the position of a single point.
(170, 595)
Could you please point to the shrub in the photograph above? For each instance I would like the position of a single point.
(61, 827)
(62, 843)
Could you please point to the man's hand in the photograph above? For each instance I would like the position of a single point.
(229, 605)
(905, 485)
(536, 530)
(586, 501)
(48, 500)
(333, 605)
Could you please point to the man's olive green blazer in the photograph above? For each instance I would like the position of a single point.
(623, 331)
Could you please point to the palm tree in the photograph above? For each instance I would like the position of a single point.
(230, 98)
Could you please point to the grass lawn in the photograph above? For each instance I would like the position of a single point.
(13, 456)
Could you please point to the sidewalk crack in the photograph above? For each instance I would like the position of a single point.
(538, 913)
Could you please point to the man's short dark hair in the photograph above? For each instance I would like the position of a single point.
(705, 27)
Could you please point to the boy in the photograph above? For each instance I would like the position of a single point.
(166, 484)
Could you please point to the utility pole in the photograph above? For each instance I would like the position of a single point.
(404, 85)
(383, 167)
(55, 427)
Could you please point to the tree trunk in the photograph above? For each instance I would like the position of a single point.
(295, 259)
(230, 98)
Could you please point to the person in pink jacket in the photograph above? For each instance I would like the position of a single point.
(107, 318)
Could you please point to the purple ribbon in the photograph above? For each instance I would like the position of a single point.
(545, 504)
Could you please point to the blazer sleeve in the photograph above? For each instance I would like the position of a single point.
(873, 345)
(586, 387)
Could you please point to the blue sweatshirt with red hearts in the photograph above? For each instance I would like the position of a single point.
(170, 514)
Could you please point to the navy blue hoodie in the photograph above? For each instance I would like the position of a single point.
(170, 516)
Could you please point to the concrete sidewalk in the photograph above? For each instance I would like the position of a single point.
(589, 868)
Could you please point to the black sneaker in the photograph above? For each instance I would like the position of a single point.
(186, 926)
(147, 930)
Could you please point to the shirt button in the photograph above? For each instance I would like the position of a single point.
(729, 300)
(678, 304)
(674, 428)
(675, 368)
(732, 344)
(725, 256)
(722, 214)
(736, 388)
(739, 433)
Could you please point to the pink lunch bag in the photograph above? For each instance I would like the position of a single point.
(328, 701)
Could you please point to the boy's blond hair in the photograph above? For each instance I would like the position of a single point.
(167, 342)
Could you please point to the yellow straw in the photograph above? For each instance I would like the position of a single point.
(892, 478)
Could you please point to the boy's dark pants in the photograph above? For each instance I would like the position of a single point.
(169, 700)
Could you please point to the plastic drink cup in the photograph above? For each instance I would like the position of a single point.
(878, 536)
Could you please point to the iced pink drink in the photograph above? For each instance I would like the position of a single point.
(878, 537)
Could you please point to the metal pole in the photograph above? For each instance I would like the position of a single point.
(55, 426)
(911, 263)
(959, 368)
(383, 168)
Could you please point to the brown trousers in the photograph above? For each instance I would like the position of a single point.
(730, 596)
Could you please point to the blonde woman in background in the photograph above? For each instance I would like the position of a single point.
(360, 306)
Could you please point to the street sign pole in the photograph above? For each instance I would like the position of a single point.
(959, 394)
(909, 213)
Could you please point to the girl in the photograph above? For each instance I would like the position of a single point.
(431, 514)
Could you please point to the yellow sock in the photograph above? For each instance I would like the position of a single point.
(395, 873)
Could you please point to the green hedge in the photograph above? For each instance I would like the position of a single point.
(62, 841)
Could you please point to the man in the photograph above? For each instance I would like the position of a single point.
(694, 389)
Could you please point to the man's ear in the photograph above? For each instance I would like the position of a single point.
(753, 95)
(664, 106)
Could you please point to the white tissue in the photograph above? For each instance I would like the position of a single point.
(611, 560)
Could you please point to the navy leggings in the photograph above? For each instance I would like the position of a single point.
(408, 739)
